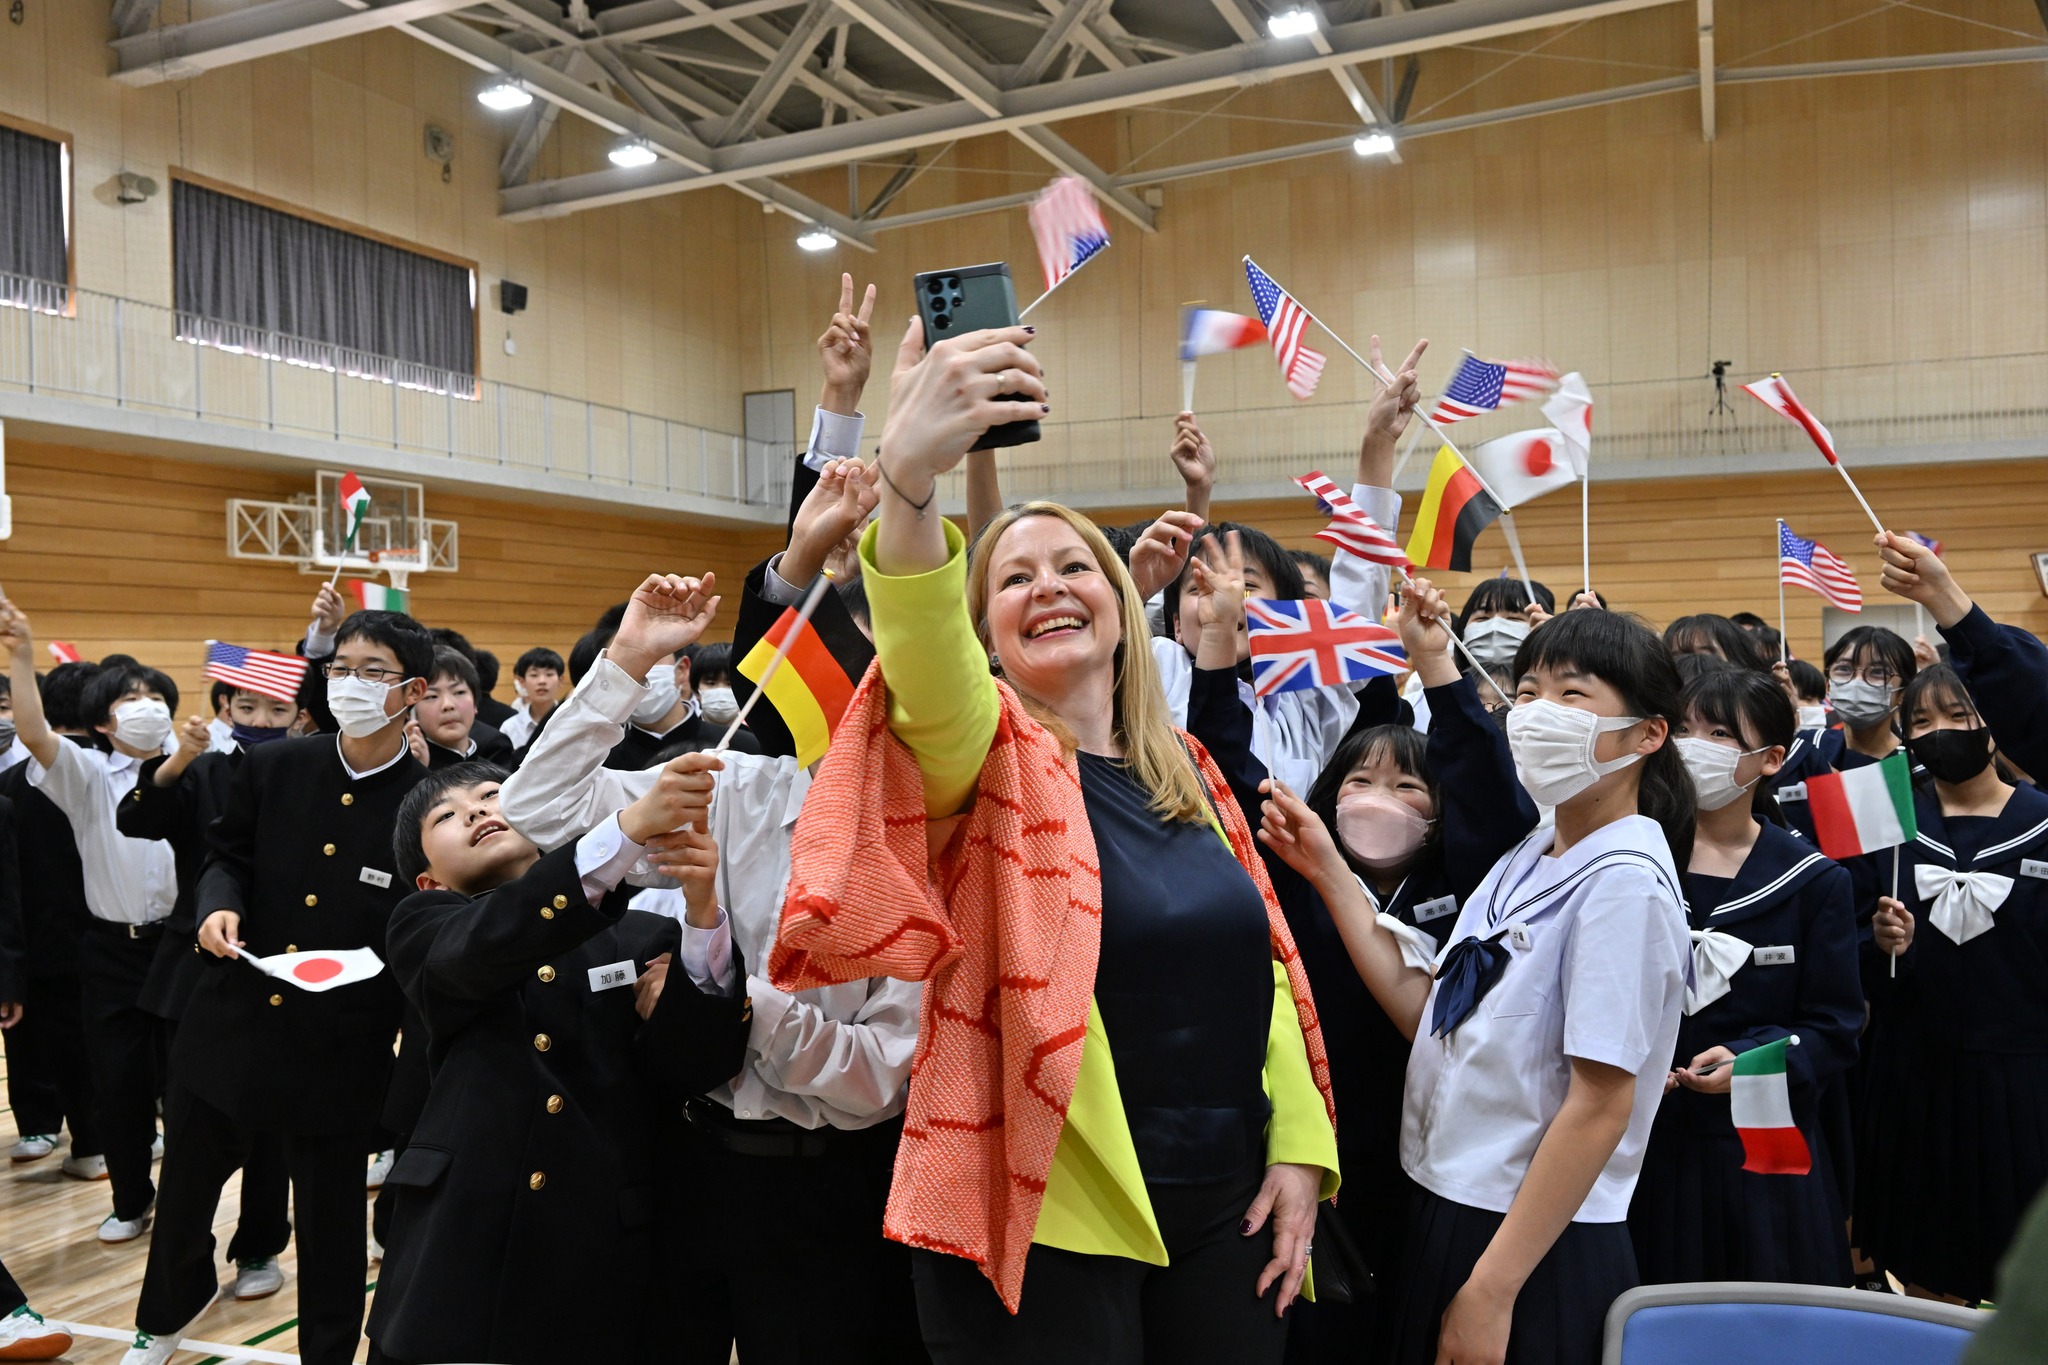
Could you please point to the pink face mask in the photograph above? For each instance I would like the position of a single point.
(1379, 830)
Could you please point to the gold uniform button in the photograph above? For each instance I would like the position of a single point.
(541, 1042)
(561, 902)
(536, 1180)
(328, 850)
(348, 798)
(291, 947)
(547, 973)
(277, 1000)
(554, 1104)
(312, 901)
(546, 913)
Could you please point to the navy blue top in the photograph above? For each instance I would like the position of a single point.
(1184, 983)
(2006, 670)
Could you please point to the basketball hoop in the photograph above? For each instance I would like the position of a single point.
(399, 564)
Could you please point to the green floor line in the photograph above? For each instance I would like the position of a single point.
(262, 1337)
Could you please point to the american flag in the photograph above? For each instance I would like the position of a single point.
(1811, 565)
(1933, 545)
(1297, 645)
(255, 670)
(1350, 528)
(1484, 385)
(1285, 321)
(1068, 224)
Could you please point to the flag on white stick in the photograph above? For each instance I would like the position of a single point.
(1525, 465)
(318, 970)
(1067, 224)
(1350, 528)
(1570, 410)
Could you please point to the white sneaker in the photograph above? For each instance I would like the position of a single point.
(33, 1147)
(379, 1168)
(149, 1350)
(257, 1279)
(156, 1148)
(115, 1230)
(25, 1336)
(86, 1167)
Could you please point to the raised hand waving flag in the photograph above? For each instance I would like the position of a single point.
(1350, 528)
(1310, 643)
(1300, 366)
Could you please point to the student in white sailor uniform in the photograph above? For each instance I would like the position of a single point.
(1418, 820)
(556, 1030)
(1958, 1116)
(1543, 1037)
(1774, 953)
(301, 860)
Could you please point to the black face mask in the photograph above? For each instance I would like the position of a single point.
(1952, 755)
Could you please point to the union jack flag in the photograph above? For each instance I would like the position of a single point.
(1067, 223)
(1484, 385)
(1310, 643)
(1350, 528)
(1808, 564)
(1286, 320)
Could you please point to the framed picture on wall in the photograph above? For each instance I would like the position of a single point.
(2041, 571)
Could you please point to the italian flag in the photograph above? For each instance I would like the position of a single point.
(1863, 809)
(1762, 1109)
(355, 503)
(377, 597)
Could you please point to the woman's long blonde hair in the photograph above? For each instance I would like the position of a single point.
(1143, 726)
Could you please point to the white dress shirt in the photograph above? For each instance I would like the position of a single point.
(220, 736)
(834, 436)
(837, 1055)
(127, 881)
(1294, 733)
(17, 752)
(603, 858)
(1597, 967)
(519, 726)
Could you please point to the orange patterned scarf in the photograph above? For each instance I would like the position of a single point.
(1005, 923)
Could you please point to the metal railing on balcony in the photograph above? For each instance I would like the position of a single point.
(128, 354)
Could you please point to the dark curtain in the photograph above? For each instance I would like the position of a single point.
(34, 263)
(253, 279)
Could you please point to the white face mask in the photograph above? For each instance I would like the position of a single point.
(1553, 749)
(661, 697)
(719, 704)
(1861, 704)
(1495, 641)
(1813, 717)
(143, 723)
(358, 705)
(1713, 770)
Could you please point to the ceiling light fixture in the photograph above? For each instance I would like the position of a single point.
(632, 155)
(1292, 23)
(817, 239)
(504, 96)
(1374, 144)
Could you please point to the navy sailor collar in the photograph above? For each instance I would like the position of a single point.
(2019, 829)
(1779, 865)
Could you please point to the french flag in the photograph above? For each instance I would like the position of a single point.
(1207, 331)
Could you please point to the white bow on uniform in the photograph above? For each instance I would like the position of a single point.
(1963, 902)
(1716, 958)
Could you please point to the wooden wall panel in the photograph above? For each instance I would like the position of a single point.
(1664, 548)
(127, 553)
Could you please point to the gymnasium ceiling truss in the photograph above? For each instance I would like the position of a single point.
(748, 91)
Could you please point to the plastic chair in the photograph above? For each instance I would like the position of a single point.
(1796, 1324)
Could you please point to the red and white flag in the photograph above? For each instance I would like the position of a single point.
(1775, 393)
(63, 651)
(1570, 410)
(1067, 224)
(318, 970)
(1350, 528)
(1301, 366)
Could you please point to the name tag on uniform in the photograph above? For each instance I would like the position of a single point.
(613, 975)
(1774, 957)
(2033, 867)
(1795, 792)
(1425, 911)
(1518, 934)
(380, 880)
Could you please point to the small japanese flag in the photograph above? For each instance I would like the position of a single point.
(319, 970)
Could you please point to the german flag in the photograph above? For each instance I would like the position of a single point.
(1455, 509)
(812, 688)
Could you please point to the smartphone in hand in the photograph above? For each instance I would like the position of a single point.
(973, 298)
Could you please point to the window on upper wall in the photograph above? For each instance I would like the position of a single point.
(256, 279)
(35, 222)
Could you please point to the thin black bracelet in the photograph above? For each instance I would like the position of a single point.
(917, 507)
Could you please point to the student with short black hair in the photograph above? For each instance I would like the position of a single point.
(218, 696)
(488, 708)
(131, 886)
(1719, 637)
(1315, 572)
(49, 1082)
(301, 860)
(539, 673)
(556, 1038)
(448, 718)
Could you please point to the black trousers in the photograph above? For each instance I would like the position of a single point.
(126, 1049)
(264, 1225)
(11, 1296)
(1108, 1310)
(740, 1231)
(49, 1082)
(203, 1146)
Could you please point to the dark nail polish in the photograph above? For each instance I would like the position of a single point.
(1045, 407)
(1244, 1229)
(1032, 330)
